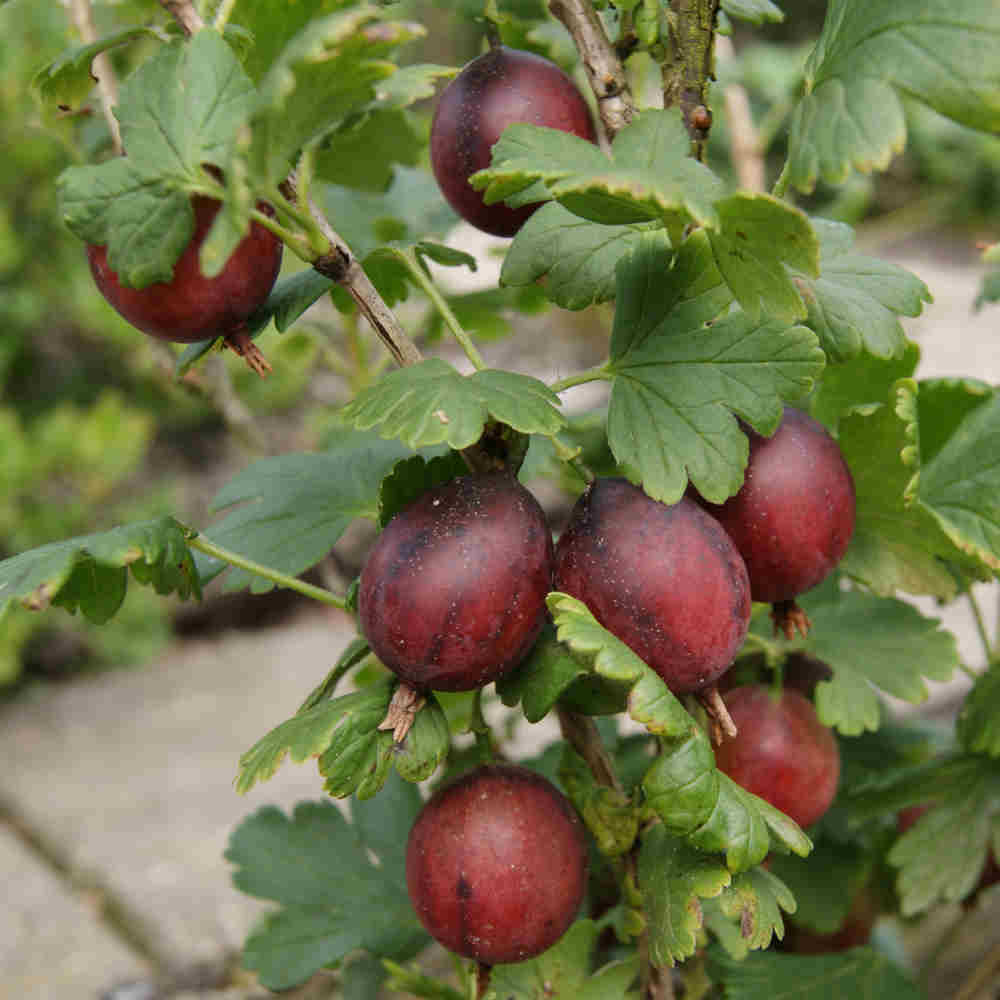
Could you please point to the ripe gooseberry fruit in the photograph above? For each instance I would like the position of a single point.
(495, 90)
(782, 753)
(452, 594)
(794, 515)
(496, 864)
(666, 580)
(192, 307)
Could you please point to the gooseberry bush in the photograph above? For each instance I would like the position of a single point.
(767, 479)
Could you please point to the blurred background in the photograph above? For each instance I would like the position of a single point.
(121, 741)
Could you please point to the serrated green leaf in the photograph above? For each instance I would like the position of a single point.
(287, 511)
(685, 386)
(334, 899)
(542, 678)
(754, 11)
(758, 234)
(410, 84)
(649, 177)
(431, 403)
(942, 405)
(862, 381)
(860, 972)
(181, 109)
(382, 824)
(361, 155)
(869, 640)
(426, 744)
(67, 79)
(941, 52)
(673, 877)
(826, 884)
(682, 785)
(607, 813)
(979, 719)
(90, 572)
(412, 477)
(898, 541)
(563, 971)
(341, 721)
(734, 826)
(325, 73)
(855, 303)
(755, 900)
(575, 257)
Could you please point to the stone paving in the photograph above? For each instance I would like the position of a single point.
(116, 800)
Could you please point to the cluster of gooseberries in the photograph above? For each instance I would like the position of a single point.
(452, 597)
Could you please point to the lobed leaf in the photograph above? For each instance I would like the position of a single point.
(90, 572)
(943, 53)
(431, 403)
(754, 900)
(979, 720)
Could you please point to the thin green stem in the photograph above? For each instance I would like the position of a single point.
(781, 184)
(223, 13)
(598, 374)
(294, 241)
(420, 276)
(317, 242)
(984, 635)
(202, 544)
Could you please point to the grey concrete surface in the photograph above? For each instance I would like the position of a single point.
(128, 776)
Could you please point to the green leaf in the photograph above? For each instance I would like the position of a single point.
(287, 511)
(941, 52)
(608, 814)
(860, 972)
(90, 572)
(673, 878)
(411, 478)
(542, 678)
(339, 723)
(683, 388)
(942, 405)
(563, 971)
(961, 485)
(649, 176)
(179, 110)
(355, 652)
(426, 744)
(941, 857)
(576, 258)
(735, 826)
(361, 155)
(382, 824)
(410, 84)
(754, 11)
(754, 900)
(326, 73)
(869, 640)
(334, 900)
(899, 541)
(682, 784)
(979, 719)
(431, 403)
(862, 381)
(855, 303)
(757, 235)
(826, 884)
(67, 80)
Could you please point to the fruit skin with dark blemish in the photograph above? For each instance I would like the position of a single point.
(452, 594)
(794, 516)
(665, 579)
(782, 753)
(191, 307)
(496, 864)
(499, 88)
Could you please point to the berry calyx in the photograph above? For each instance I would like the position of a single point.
(452, 594)
(191, 307)
(499, 88)
(782, 753)
(496, 865)
(666, 580)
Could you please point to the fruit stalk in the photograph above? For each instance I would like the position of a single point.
(604, 69)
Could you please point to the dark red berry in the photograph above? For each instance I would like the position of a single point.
(666, 580)
(496, 865)
(191, 307)
(782, 752)
(452, 594)
(794, 515)
(501, 87)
